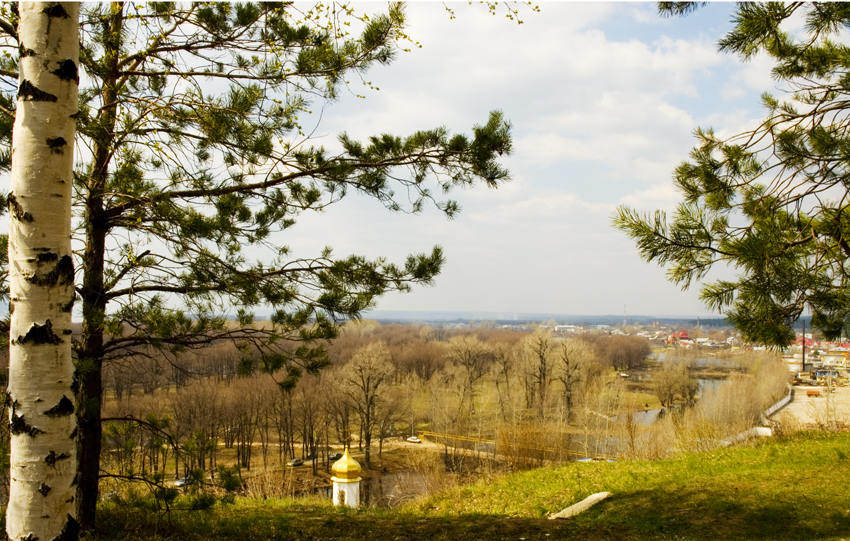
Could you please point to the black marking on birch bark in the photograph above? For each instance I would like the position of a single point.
(18, 426)
(62, 273)
(11, 308)
(17, 210)
(55, 144)
(67, 71)
(75, 115)
(73, 434)
(29, 92)
(47, 257)
(39, 334)
(62, 408)
(67, 331)
(30, 537)
(23, 52)
(69, 500)
(44, 489)
(53, 458)
(70, 304)
(55, 10)
(71, 530)
(76, 480)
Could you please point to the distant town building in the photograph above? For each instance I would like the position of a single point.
(679, 338)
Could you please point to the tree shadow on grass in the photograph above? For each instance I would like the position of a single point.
(649, 514)
(700, 514)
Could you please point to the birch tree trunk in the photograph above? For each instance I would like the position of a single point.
(41, 276)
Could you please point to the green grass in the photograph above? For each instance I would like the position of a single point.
(797, 488)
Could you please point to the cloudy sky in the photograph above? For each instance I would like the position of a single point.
(603, 100)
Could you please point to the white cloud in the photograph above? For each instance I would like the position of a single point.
(661, 196)
(755, 74)
(597, 122)
(553, 210)
(646, 14)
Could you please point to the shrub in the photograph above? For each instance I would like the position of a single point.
(229, 478)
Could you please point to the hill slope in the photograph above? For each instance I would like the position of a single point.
(794, 488)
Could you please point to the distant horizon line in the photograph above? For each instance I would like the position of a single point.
(516, 315)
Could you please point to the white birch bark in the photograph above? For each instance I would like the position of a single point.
(41, 276)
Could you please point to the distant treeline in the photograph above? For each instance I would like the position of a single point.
(715, 323)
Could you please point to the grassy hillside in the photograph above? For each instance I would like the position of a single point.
(796, 488)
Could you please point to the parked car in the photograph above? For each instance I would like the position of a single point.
(182, 482)
(335, 456)
(413, 439)
(295, 462)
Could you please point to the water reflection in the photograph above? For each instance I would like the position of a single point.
(646, 417)
(709, 384)
(387, 490)
(706, 384)
(392, 489)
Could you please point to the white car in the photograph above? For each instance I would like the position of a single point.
(413, 439)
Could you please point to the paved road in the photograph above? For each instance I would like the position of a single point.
(813, 411)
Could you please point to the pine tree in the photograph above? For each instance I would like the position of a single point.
(771, 203)
(41, 276)
(193, 154)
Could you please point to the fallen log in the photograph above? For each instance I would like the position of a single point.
(581, 506)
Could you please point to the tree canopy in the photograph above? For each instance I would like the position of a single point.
(195, 157)
(771, 203)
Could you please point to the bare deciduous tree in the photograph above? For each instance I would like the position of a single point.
(365, 374)
(472, 357)
(537, 349)
(572, 369)
(504, 365)
(674, 381)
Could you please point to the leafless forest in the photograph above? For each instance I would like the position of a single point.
(485, 397)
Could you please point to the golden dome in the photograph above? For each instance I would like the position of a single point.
(346, 469)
